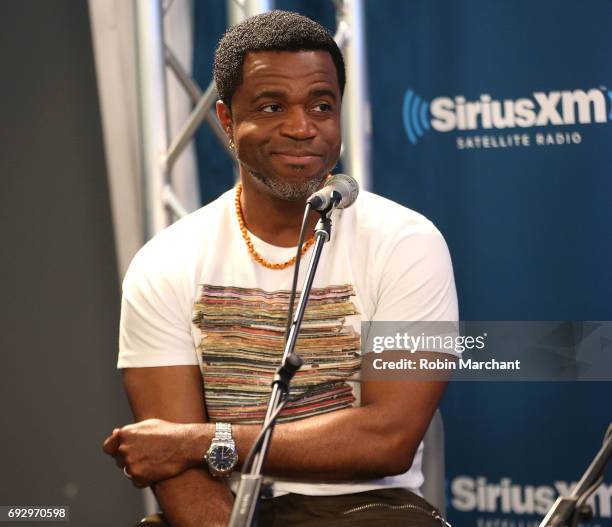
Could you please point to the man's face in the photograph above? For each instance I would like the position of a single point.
(286, 120)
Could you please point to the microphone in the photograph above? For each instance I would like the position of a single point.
(340, 191)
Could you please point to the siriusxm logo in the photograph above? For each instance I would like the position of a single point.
(477, 494)
(445, 114)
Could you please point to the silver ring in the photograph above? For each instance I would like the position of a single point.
(125, 472)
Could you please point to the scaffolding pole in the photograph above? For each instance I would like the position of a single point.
(239, 10)
(153, 113)
(356, 116)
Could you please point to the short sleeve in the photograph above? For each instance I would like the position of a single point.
(417, 282)
(155, 326)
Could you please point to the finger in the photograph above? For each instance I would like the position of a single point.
(111, 444)
(140, 483)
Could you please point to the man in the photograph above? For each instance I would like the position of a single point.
(205, 303)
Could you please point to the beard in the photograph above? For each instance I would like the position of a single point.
(286, 190)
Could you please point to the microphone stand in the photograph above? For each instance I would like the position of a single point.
(249, 490)
(568, 511)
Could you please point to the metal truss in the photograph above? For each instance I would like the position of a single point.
(159, 152)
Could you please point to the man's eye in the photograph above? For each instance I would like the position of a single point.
(270, 108)
(323, 107)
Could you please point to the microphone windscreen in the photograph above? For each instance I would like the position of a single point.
(348, 188)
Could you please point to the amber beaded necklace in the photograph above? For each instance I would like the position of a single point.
(249, 243)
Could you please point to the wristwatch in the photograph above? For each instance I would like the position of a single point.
(222, 456)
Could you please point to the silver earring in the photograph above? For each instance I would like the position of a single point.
(230, 140)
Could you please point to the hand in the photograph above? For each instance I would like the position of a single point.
(152, 450)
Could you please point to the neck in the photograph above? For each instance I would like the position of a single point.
(271, 219)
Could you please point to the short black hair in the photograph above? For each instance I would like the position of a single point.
(271, 31)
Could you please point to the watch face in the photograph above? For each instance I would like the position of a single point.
(222, 457)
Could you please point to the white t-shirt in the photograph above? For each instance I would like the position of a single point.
(194, 295)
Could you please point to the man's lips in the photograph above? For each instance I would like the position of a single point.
(297, 158)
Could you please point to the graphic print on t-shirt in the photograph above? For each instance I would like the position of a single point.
(243, 341)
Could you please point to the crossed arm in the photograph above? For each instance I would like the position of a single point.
(165, 447)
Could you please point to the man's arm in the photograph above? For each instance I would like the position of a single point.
(173, 393)
(377, 439)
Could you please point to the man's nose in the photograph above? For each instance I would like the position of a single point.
(298, 124)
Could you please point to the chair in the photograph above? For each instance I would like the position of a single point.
(433, 464)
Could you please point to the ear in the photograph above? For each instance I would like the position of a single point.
(224, 114)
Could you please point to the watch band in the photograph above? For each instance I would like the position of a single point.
(223, 432)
